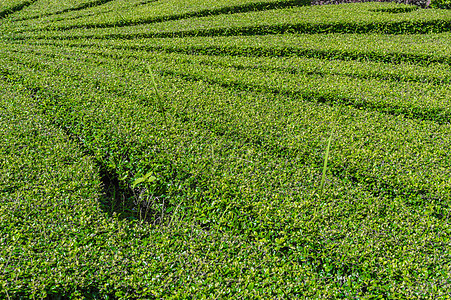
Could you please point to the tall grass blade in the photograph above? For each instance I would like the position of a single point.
(326, 155)
(326, 158)
(160, 99)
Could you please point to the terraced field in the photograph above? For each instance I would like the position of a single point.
(224, 149)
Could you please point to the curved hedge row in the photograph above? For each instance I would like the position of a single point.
(215, 160)
(193, 167)
(55, 241)
(9, 7)
(149, 12)
(446, 4)
(261, 59)
(308, 20)
(420, 50)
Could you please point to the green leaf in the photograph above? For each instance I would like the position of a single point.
(138, 181)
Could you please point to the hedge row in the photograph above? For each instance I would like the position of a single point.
(9, 7)
(403, 72)
(414, 100)
(443, 4)
(151, 12)
(311, 20)
(416, 49)
(445, 189)
(55, 241)
(434, 73)
(329, 89)
(247, 164)
(52, 10)
(361, 87)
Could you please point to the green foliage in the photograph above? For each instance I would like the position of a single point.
(396, 10)
(345, 19)
(326, 158)
(8, 7)
(148, 178)
(160, 100)
(446, 4)
(134, 12)
(197, 167)
(419, 50)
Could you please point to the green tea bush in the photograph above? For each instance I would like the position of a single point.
(9, 7)
(225, 188)
(420, 50)
(344, 19)
(41, 9)
(446, 4)
(302, 78)
(134, 12)
(149, 168)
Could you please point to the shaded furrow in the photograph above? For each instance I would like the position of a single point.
(249, 51)
(231, 61)
(396, 27)
(259, 6)
(9, 11)
(435, 114)
(372, 184)
(78, 8)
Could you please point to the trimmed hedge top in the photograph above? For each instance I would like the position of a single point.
(191, 167)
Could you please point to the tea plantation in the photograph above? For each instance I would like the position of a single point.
(224, 149)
